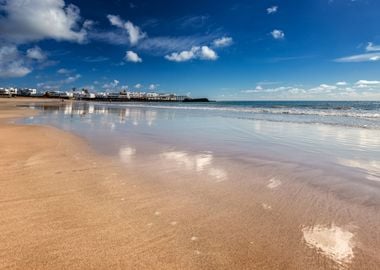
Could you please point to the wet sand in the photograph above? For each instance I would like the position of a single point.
(65, 206)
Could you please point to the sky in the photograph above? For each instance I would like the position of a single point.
(224, 50)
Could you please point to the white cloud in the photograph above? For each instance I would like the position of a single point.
(372, 48)
(208, 54)
(59, 83)
(366, 82)
(26, 21)
(342, 83)
(195, 52)
(223, 42)
(165, 45)
(184, 55)
(131, 56)
(12, 64)
(71, 79)
(277, 34)
(361, 90)
(64, 71)
(112, 84)
(134, 32)
(272, 9)
(36, 53)
(323, 88)
(258, 89)
(153, 87)
(365, 57)
(138, 86)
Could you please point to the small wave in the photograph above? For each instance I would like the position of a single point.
(339, 111)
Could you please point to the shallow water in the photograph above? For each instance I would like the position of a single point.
(314, 185)
(139, 129)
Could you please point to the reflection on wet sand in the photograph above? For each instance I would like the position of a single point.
(124, 114)
(196, 162)
(126, 153)
(335, 242)
(370, 167)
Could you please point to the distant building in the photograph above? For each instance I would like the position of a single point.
(152, 96)
(27, 92)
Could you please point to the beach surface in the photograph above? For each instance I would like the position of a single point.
(66, 205)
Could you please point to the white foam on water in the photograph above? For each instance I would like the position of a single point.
(332, 241)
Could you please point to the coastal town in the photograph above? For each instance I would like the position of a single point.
(85, 94)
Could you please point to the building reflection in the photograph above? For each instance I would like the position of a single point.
(118, 113)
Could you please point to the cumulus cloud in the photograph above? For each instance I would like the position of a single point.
(26, 21)
(360, 90)
(138, 86)
(111, 85)
(272, 9)
(184, 55)
(223, 42)
(196, 52)
(36, 53)
(12, 63)
(278, 34)
(134, 32)
(208, 54)
(131, 56)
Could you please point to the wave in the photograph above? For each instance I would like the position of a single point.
(339, 111)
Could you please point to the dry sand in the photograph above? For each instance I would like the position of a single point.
(63, 206)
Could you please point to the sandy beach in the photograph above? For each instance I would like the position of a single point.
(66, 206)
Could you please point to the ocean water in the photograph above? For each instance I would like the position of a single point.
(364, 114)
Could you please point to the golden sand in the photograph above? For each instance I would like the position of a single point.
(64, 206)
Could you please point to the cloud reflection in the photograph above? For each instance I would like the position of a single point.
(370, 167)
(126, 154)
(196, 162)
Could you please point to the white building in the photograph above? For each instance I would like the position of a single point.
(152, 96)
(27, 92)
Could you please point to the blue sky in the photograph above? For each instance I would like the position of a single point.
(235, 50)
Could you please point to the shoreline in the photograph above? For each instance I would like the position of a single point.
(65, 206)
